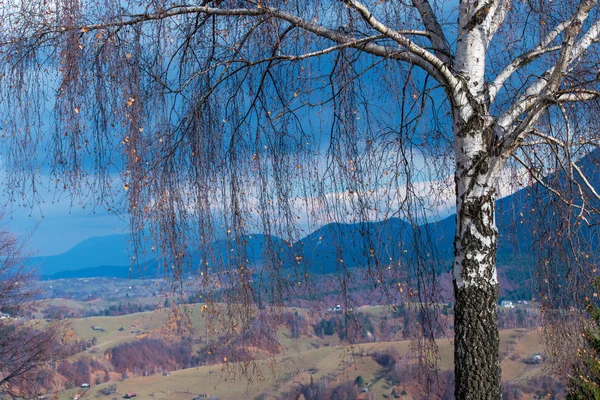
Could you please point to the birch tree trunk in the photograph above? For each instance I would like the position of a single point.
(476, 340)
(476, 289)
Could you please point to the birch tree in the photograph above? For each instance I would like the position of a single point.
(272, 112)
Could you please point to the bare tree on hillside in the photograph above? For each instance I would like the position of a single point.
(26, 346)
(278, 115)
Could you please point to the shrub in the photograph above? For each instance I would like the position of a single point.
(107, 391)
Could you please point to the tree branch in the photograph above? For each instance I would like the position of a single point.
(449, 79)
(540, 180)
(414, 53)
(570, 96)
(567, 47)
(551, 140)
(299, 57)
(437, 37)
(550, 80)
(497, 16)
(533, 102)
(519, 62)
(585, 180)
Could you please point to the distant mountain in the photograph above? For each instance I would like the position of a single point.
(111, 256)
(111, 250)
(92, 252)
(227, 251)
(337, 245)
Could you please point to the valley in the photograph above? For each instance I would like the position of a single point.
(314, 353)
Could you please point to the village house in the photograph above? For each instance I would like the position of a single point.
(507, 304)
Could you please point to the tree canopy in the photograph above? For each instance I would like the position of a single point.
(216, 120)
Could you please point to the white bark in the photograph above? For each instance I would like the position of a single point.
(475, 195)
(476, 236)
(499, 10)
(402, 40)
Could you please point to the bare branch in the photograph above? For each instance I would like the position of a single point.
(415, 54)
(539, 179)
(550, 80)
(585, 180)
(497, 16)
(568, 50)
(299, 57)
(437, 37)
(449, 79)
(517, 63)
(571, 96)
(534, 102)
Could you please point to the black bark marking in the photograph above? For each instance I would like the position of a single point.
(476, 346)
(480, 214)
(479, 16)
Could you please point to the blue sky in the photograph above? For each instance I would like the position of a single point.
(61, 226)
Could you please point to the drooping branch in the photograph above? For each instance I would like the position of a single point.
(244, 63)
(539, 178)
(569, 165)
(414, 54)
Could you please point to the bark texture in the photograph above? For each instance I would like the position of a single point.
(476, 340)
(476, 288)
(476, 343)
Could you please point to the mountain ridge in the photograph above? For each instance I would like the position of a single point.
(326, 248)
